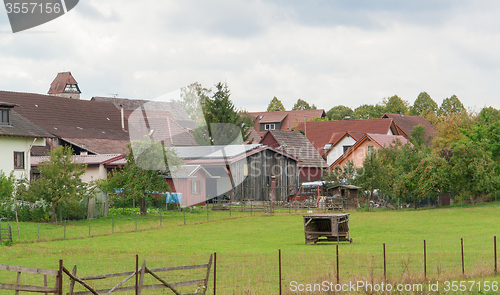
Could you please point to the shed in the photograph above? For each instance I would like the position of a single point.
(332, 226)
(348, 192)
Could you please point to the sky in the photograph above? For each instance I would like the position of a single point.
(328, 53)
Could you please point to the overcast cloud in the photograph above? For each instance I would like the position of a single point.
(325, 52)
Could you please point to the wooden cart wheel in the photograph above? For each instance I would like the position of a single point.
(350, 241)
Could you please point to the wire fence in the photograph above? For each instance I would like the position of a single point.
(321, 267)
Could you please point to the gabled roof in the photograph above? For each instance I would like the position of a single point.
(297, 145)
(381, 140)
(60, 82)
(254, 135)
(22, 127)
(174, 109)
(406, 123)
(320, 133)
(289, 119)
(100, 145)
(67, 117)
(187, 171)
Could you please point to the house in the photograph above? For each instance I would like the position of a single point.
(333, 138)
(406, 123)
(367, 144)
(65, 85)
(310, 164)
(17, 138)
(282, 120)
(98, 166)
(191, 182)
(244, 172)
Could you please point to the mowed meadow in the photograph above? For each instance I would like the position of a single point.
(247, 248)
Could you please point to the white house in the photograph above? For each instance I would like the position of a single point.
(17, 136)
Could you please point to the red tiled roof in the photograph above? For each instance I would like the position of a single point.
(100, 145)
(254, 136)
(60, 82)
(406, 123)
(289, 118)
(164, 128)
(320, 133)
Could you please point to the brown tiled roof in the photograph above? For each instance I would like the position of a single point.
(59, 83)
(406, 123)
(161, 128)
(297, 145)
(130, 105)
(320, 133)
(83, 159)
(22, 127)
(100, 145)
(254, 136)
(290, 118)
(67, 117)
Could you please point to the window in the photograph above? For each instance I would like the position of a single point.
(347, 147)
(369, 150)
(327, 146)
(4, 117)
(270, 127)
(18, 160)
(196, 187)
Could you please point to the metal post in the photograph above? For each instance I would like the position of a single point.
(136, 222)
(207, 211)
(251, 208)
(425, 260)
(112, 224)
(184, 213)
(215, 272)
(39, 231)
(160, 219)
(136, 274)
(229, 209)
(385, 270)
(89, 227)
(463, 264)
(495, 248)
(65, 229)
(280, 268)
(338, 271)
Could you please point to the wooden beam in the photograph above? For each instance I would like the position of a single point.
(164, 282)
(80, 281)
(141, 277)
(28, 269)
(145, 287)
(109, 291)
(28, 288)
(72, 283)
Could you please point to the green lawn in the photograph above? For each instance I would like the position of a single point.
(247, 246)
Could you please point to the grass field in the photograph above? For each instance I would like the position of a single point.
(247, 246)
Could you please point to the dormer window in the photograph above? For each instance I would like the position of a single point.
(270, 126)
(4, 117)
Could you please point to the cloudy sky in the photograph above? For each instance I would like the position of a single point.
(328, 53)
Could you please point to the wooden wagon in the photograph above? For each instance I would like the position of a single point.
(333, 227)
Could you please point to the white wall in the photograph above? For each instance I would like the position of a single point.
(338, 150)
(11, 144)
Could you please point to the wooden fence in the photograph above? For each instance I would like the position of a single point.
(5, 231)
(139, 274)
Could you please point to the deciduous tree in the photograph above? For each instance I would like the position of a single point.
(302, 105)
(369, 111)
(340, 112)
(275, 105)
(424, 105)
(451, 105)
(395, 104)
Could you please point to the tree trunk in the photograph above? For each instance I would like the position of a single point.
(143, 206)
(471, 199)
(54, 215)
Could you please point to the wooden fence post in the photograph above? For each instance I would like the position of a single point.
(59, 277)
(136, 274)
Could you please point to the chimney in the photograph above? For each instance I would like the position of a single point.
(347, 118)
(123, 117)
